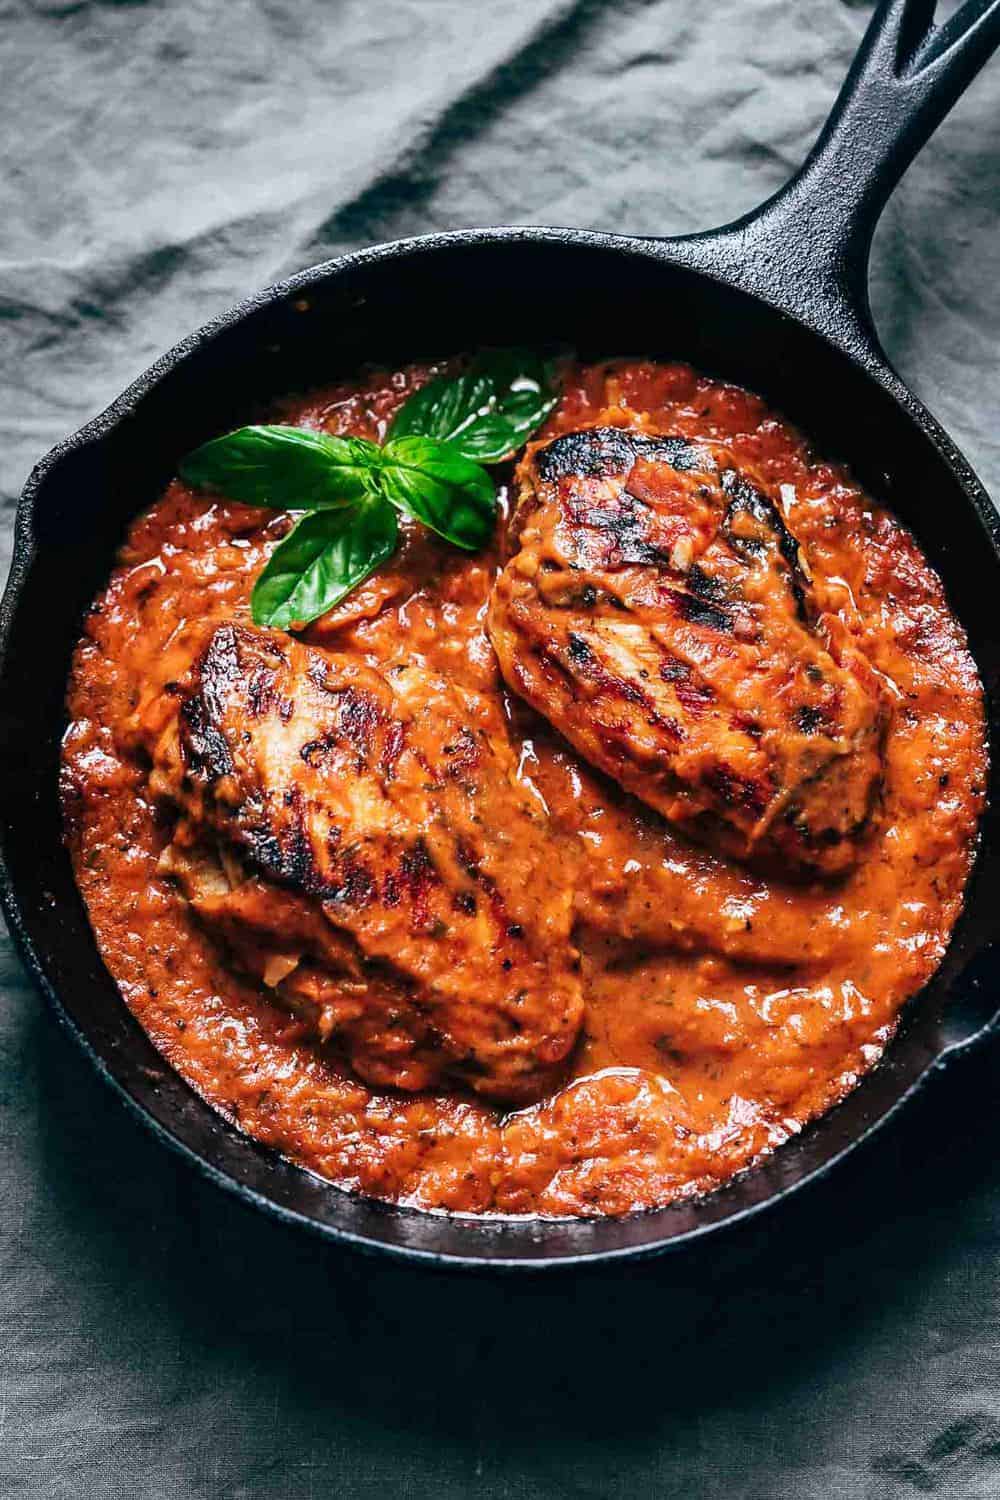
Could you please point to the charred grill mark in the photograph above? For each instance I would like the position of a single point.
(260, 692)
(693, 693)
(359, 717)
(493, 895)
(300, 859)
(283, 854)
(264, 853)
(287, 856)
(809, 719)
(579, 651)
(746, 724)
(232, 657)
(356, 886)
(672, 669)
(462, 753)
(590, 668)
(603, 452)
(746, 501)
(221, 660)
(704, 586)
(735, 791)
(468, 862)
(623, 521)
(392, 749)
(695, 611)
(583, 658)
(622, 517)
(205, 747)
(819, 838)
(220, 667)
(232, 647)
(289, 859)
(315, 752)
(417, 877)
(467, 859)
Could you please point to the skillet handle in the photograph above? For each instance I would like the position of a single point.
(807, 248)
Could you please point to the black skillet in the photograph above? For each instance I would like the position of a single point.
(777, 301)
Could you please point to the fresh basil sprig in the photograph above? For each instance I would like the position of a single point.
(350, 489)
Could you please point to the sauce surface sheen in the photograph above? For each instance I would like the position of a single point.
(724, 1010)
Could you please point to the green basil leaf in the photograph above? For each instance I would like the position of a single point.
(285, 468)
(437, 485)
(327, 555)
(522, 382)
(443, 407)
(487, 413)
(488, 439)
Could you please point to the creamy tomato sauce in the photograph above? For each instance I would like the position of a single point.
(724, 1010)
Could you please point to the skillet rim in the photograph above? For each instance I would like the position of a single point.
(706, 255)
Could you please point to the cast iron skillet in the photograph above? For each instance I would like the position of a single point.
(777, 301)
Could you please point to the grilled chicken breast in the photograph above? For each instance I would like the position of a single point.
(657, 610)
(332, 834)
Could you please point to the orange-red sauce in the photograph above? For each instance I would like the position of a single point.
(692, 1064)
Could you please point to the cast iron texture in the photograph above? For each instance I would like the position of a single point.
(778, 302)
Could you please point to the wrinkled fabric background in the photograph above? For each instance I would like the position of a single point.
(159, 160)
